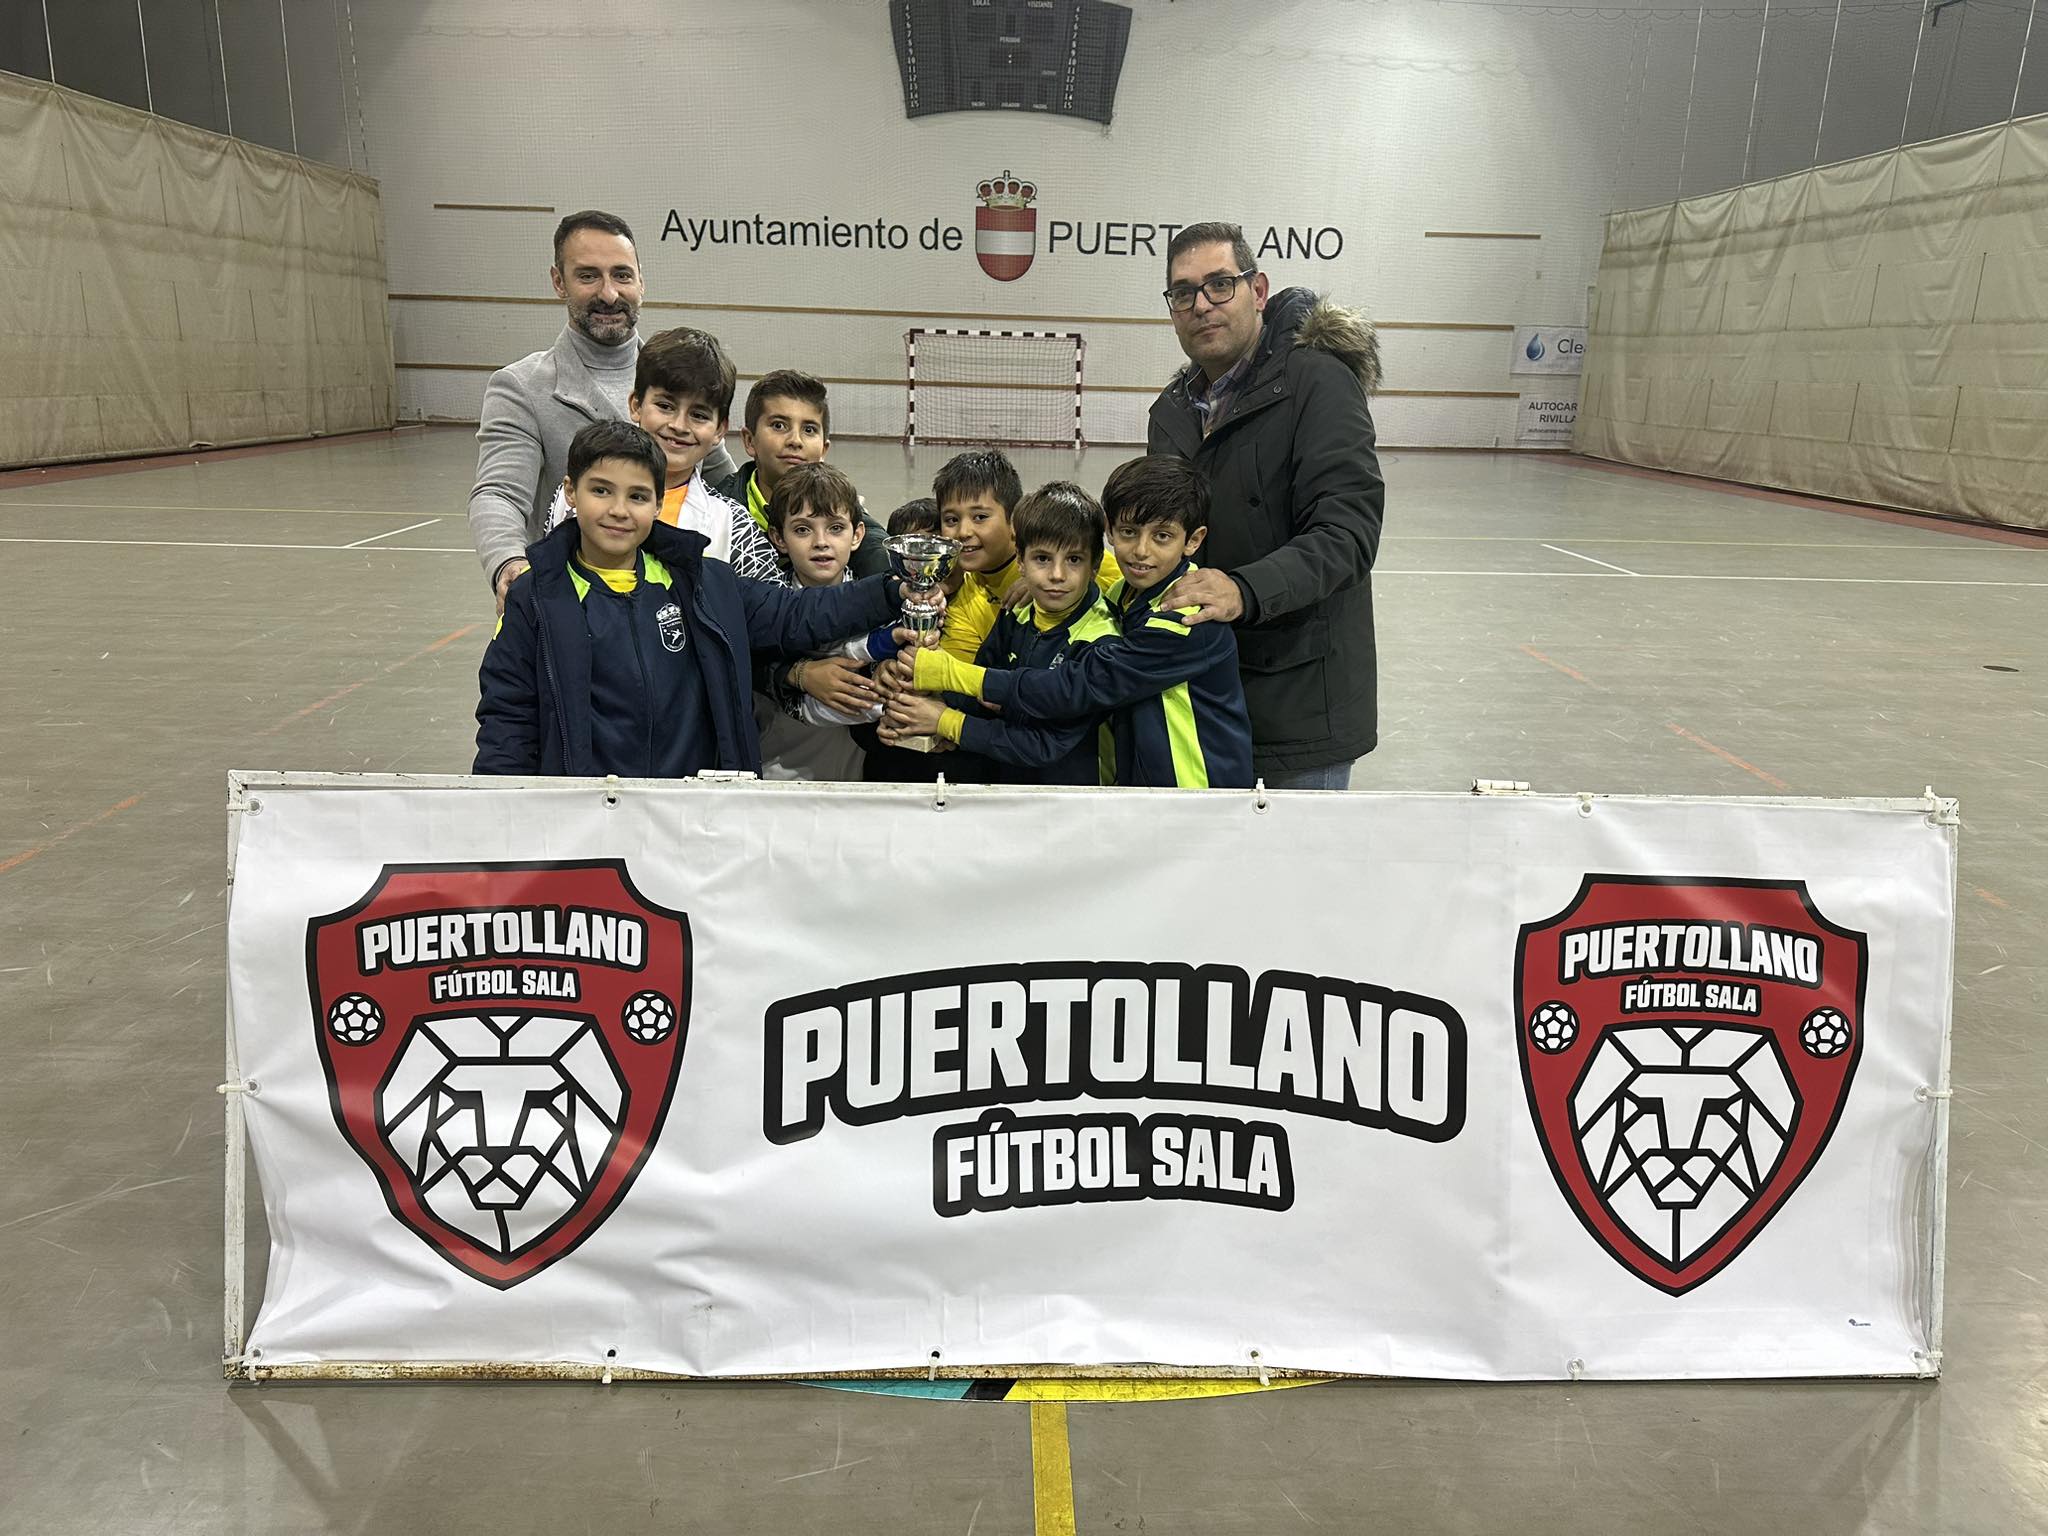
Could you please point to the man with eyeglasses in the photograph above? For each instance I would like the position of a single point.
(1272, 408)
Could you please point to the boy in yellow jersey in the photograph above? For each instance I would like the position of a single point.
(1059, 531)
(976, 493)
(682, 392)
(625, 649)
(1172, 688)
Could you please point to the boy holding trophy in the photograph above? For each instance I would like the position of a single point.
(1059, 533)
(1171, 688)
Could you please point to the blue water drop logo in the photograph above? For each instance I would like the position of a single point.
(1534, 351)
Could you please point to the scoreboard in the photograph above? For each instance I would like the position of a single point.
(1060, 56)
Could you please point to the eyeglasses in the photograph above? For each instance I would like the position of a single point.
(1218, 290)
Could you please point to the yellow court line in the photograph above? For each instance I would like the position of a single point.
(1052, 1471)
(1055, 1390)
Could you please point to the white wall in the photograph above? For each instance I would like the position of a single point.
(1382, 120)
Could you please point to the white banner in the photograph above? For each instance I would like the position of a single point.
(1548, 349)
(737, 1078)
(1546, 420)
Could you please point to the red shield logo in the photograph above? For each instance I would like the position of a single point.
(501, 1042)
(1005, 227)
(1687, 1046)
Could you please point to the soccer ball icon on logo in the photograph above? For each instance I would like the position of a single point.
(649, 1017)
(1553, 1027)
(1825, 1033)
(355, 1019)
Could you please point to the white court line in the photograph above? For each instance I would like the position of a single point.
(391, 533)
(1560, 550)
(1958, 543)
(347, 549)
(1842, 581)
(7, 505)
(463, 549)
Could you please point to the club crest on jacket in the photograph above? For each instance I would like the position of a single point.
(668, 620)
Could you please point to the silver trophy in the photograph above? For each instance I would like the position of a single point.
(922, 561)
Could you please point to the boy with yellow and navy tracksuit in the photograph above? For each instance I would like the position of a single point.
(1059, 531)
(978, 493)
(625, 650)
(1177, 705)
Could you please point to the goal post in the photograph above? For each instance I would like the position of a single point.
(1021, 388)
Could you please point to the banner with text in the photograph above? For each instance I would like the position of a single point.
(732, 1079)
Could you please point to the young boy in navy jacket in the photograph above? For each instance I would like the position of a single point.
(1176, 702)
(624, 650)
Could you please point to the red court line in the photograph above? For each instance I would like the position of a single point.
(343, 692)
(1933, 522)
(1571, 672)
(53, 473)
(445, 641)
(314, 708)
(1728, 757)
(1678, 730)
(21, 858)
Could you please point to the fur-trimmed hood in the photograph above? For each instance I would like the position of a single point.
(1321, 323)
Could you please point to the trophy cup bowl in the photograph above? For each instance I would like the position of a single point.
(922, 561)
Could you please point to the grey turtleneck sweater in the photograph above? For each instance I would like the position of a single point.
(531, 409)
(610, 368)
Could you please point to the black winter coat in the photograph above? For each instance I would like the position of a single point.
(1295, 512)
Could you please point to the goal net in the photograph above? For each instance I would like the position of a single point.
(1017, 387)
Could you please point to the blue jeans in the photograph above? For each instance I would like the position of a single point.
(1334, 776)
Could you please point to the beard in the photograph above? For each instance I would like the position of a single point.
(606, 324)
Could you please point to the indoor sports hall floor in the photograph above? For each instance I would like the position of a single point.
(1540, 618)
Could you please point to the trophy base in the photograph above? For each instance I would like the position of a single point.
(918, 743)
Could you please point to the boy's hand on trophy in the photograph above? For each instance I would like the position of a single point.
(931, 601)
(893, 676)
(913, 714)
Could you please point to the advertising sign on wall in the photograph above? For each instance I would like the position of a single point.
(1548, 349)
(1546, 420)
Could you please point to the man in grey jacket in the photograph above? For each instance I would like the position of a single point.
(534, 406)
(1272, 408)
